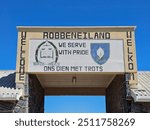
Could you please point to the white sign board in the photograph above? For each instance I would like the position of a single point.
(76, 56)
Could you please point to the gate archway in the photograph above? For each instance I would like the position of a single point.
(76, 61)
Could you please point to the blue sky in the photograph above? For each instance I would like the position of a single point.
(73, 13)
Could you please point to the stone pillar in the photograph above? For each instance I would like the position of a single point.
(116, 100)
(33, 98)
(36, 95)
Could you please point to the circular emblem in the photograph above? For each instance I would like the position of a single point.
(46, 53)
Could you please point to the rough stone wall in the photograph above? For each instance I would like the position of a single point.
(21, 106)
(36, 95)
(31, 102)
(115, 94)
(118, 101)
(6, 106)
(140, 107)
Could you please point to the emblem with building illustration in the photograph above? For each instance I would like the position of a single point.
(46, 54)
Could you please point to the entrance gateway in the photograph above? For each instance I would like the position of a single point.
(76, 61)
